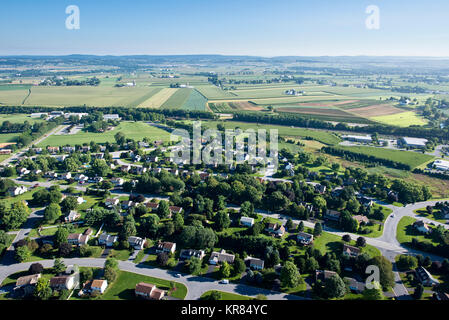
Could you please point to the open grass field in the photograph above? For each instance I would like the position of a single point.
(214, 93)
(403, 119)
(123, 287)
(158, 99)
(18, 118)
(8, 137)
(321, 136)
(133, 130)
(413, 159)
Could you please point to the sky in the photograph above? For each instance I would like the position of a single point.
(231, 27)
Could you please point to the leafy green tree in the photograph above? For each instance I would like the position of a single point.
(239, 265)
(22, 253)
(52, 213)
(194, 265)
(407, 262)
(61, 236)
(334, 287)
(221, 220)
(59, 266)
(14, 217)
(386, 271)
(418, 293)
(373, 294)
(42, 290)
(318, 229)
(163, 211)
(225, 270)
(69, 203)
(289, 275)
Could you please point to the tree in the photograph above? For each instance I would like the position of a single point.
(59, 266)
(407, 262)
(346, 238)
(272, 257)
(225, 270)
(373, 294)
(69, 203)
(221, 220)
(110, 274)
(239, 266)
(178, 221)
(162, 259)
(261, 297)
(14, 217)
(289, 275)
(36, 268)
(22, 253)
(334, 287)
(386, 271)
(61, 236)
(318, 230)
(301, 226)
(65, 249)
(52, 213)
(311, 265)
(42, 290)
(361, 242)
(418, 293)
(194, 265)
(215, 295)
(163, 211)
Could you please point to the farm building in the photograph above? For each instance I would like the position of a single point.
(412, 142)
(442, 165)
(362, 139)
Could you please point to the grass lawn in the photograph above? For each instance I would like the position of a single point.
(331, 243)
(132, 130)
(120, 254)
(436, 215)
(225, 296)
(404, 119)
(123, 287)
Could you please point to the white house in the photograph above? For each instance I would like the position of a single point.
(136, 242)
(421, 226)
(15, 191)
(246, 221)
(98, 285)
(107, 240)
(442, 165)
(305, 238)
(72, 216)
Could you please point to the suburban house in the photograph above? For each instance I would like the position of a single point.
(168, 247)
(72, 216)
(125, 168)
(256, 264)
(148, 291)
(332, 215)
(354, 285)
(247, 221)
(65, 282)
(93, 286)
(322, 275)
(421, 226)
(425, 277)
(107, 240)
(117, 181)
(175, 209)
(152, 206)
(350, 250)
(16, 191)
(305, 238)
(188, 253)
(112, 202)
(26, 284)
(220, 257)
(126, 204)
(275, 229)
(78, 239)
(136, 242)
(361, 219)
(53, 150)
(66, 176)
(320, 188)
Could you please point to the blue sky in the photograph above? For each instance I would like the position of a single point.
(235, 27)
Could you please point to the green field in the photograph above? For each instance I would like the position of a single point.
(123, 287)
(413, 159)
(321, 136)
(404, 119)
(406, 232)
(196, 102)
(178, 99)
(132, 130)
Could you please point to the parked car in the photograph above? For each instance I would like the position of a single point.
(178, 275)
(224, 281)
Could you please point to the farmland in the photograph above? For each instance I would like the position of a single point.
(321, 136)
(403, 119)
(158, 99)
(412, 159)
(196, 101)
(132, 130)
(178, 99)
